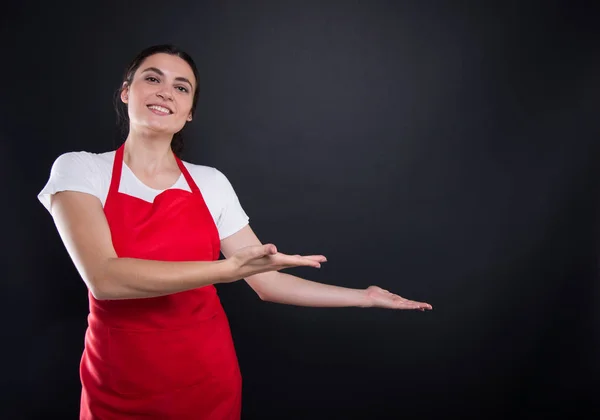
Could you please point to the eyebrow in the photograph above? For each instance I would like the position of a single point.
(160, 73)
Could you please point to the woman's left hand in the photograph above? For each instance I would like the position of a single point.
(381, 298)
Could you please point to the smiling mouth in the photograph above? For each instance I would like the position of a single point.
(161, 110)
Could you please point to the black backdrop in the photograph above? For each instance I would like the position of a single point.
(446, 151)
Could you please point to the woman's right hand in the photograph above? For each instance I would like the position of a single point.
(257, 259)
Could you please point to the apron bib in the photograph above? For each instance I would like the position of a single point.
(167, 357)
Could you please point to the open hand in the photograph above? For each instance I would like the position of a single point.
(257, 259)
(381, 298)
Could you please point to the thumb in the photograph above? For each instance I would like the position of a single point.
(269, 249)
(255, 252)
(260, 251)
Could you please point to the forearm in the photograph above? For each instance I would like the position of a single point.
(286, 289)
(129, 278)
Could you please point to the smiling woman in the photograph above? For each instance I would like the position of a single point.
(145, 231)
(183, 79)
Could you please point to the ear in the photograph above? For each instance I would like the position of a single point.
(125, 93)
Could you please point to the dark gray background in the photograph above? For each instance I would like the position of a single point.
(446, 151)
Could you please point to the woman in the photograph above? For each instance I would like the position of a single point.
(145, 231)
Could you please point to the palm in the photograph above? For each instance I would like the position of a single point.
(256, 259)
(381, 298)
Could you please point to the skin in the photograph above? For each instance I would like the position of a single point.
(168, 81)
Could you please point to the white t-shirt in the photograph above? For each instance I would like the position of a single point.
(91, 173)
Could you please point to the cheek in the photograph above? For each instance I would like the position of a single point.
(136, 109)
(184, 109)
(135, 102)
(179, 123)
(185, 105)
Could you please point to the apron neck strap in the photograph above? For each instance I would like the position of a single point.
(118, 168)
(187, 176)
(116, 171)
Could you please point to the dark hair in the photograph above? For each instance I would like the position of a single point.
(121, 109)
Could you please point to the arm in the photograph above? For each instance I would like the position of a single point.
(287, 289)
(84, 230)
(291, 290)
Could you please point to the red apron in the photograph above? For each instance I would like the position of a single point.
(168, 357)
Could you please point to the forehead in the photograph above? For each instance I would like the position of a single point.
(171, 65)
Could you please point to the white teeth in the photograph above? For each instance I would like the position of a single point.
(160, 108)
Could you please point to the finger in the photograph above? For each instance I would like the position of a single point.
(319, 258)
(388, 302)
(402, 303)
(419, 306)
(413, 303)
(405, 305)
(310, 262)
(423, 305)
(294, 261)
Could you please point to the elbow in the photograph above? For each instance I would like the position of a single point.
(260, 292)
(100, 288)
(103, 285)
(266, 294)
(100, 291)
(262, 296)
(100, 295)
(261, 284)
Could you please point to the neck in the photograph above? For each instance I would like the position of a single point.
(148, 152)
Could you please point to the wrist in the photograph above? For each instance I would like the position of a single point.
(226, 271)
(365, 300)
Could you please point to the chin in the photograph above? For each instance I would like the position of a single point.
(161, 128)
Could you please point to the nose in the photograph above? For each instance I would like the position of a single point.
(164, 95)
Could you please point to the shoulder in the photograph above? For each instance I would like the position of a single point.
(213, 184)
(208, 176)
(81, 162)
(220, 198)
(199, 171)
(79, 171)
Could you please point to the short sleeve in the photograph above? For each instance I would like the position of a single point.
(232, 216)
(72, 171)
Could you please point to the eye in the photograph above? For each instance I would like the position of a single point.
(152, 79)
(182, 89)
